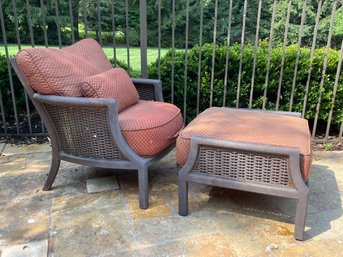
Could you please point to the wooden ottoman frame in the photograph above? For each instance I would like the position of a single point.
(265, 169)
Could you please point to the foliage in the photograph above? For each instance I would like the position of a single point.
(89, 12)
(237, 22)
(260, 76)
(36, 14)
(123, 64)
(6, 89)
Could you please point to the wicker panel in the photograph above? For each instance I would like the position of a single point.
(244, 166)
(146, 92)
(84, 131)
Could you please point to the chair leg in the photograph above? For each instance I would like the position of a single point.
(143, 186)
(300, 217)
(183, 198)
(55, 165)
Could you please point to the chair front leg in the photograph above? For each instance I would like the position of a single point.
(143, 186)
(55, 165)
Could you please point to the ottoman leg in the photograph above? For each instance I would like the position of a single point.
(300, 217)
(183, 197)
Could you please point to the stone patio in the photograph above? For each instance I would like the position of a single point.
(69, 221)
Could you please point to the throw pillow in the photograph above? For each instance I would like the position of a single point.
(114, 83)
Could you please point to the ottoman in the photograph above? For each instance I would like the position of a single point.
(265, 152)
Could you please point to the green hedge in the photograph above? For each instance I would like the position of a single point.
(261, 64)
(6, 89)
(234, 53)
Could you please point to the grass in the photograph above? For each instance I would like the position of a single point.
(121, 53)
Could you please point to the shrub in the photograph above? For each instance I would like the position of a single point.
(260, 76)
(107, 37)
(6, 89)
(123, 64)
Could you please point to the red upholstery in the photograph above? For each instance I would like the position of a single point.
(250, 127)
(150, 127)
(114, 83)
(61, 71)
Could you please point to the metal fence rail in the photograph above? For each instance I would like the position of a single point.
(63, 13)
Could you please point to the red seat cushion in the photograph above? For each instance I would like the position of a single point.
(249, 127)
(114, 83)
(150, 127)
(61, 71)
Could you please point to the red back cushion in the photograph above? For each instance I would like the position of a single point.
(61, 71)
(114, 83)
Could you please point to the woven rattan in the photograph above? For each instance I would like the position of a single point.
(87, 131)
(84, 131)
(244, 166)
(146, 92)
(260, 168)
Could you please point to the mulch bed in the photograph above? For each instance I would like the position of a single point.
(331, 144)
(23, 140)
(14, 138)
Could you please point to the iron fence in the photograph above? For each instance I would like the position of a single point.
(11, 18)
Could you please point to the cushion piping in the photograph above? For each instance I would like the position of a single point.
(189, 138)
(90, 86)
(147, 128)
(40, 73)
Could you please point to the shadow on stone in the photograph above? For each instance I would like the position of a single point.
(325, 203)
(325, 197)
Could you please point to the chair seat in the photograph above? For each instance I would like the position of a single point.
(150, 127)
(249, 127)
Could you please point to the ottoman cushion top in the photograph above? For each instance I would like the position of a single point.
(250, 127)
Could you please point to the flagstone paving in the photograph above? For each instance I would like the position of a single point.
(69, 221)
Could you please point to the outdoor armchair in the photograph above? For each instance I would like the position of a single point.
(120, 124)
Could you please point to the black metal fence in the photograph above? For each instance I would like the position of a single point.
(308, 29)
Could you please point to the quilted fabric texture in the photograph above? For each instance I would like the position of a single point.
(150, 127)
(250, 127)
(114, 83)
(61, 71)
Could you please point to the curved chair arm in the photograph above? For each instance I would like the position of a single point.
(149, 89)
(76, 101)
(85, 127)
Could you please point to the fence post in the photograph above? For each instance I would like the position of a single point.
(143, 37)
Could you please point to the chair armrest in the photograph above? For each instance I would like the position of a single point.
(149, 89)
(80, 126)
(77, 101)
(85, 127)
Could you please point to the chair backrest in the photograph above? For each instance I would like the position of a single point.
(76, 126)
(61, 71)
